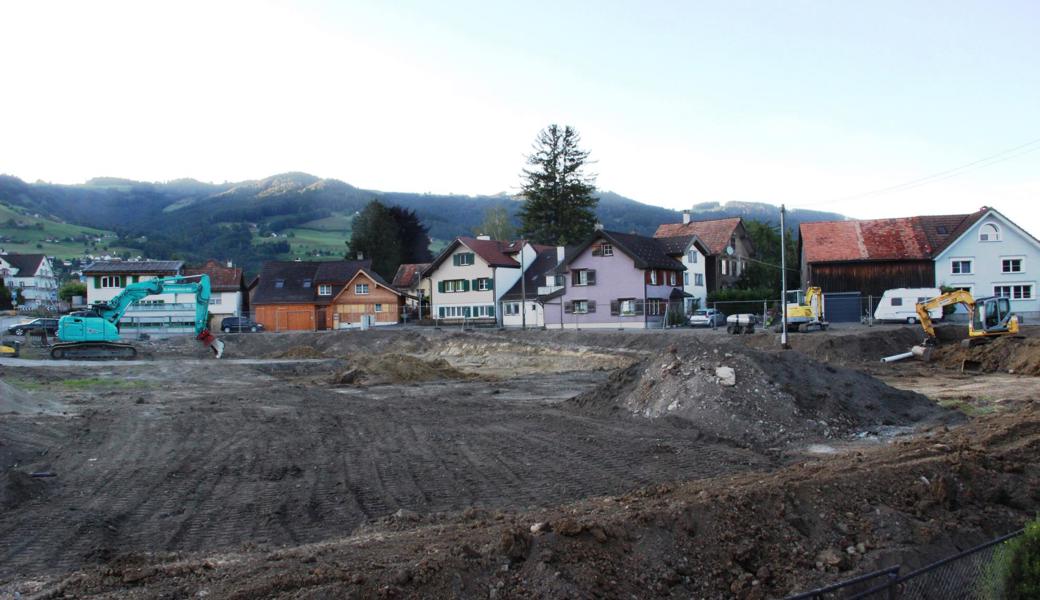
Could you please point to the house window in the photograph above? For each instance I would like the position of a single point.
(307, 283)
(671, 278)
(653, 277)
(483, 284)
(608, 250)
(454, 285)
(108, 281)
(583, 277)
(897, 301)
(581, 307)
(1011, 265)
(941, 230)
(1017, 292)
(691, 256)
(463, 259)
(279, 283)
(512, 308)
(698, 279)
(686, 279)
(628, 307)
(654, 307)
(215, 301)
(324, 290)
(361, 289)
(379, 308)
(960, 267)
(989, 233)
(725, 266)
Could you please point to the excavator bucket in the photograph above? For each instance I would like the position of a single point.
(210, 341)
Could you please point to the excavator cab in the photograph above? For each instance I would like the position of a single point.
(993, 316)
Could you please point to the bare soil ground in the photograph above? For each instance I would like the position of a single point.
(517, 464)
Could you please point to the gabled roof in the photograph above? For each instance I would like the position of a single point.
(295, 274)
(221, 277)
(907, 238)
(678, 245)
(496, 253)
(543, 264)
(134, 266)
(715, 234)
(972, 220)
(645, 252)
(408, 275)
(373, 276)
(27, 264)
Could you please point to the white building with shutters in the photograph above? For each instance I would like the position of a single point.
(993, 257)
(157, 314)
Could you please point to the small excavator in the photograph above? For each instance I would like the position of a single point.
(987, 317)
(805, 316)
(96, 335)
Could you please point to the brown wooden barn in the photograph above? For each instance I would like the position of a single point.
(365, 294)
(876, 255)
(295, 295)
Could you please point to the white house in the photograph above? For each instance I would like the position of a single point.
(32, 275)
(992, 256)
(228, 296)
(693, 253)
(156, 314)
(524, 305)
(470, 276)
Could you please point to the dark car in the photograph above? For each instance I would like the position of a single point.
(35, 326)
(239, 324)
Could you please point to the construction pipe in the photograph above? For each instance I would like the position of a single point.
(897, 357)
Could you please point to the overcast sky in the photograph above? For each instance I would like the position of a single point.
(813, 104)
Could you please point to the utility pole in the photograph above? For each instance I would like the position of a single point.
(523, 288)
(783, 279)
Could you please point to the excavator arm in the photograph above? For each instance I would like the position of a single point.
(948, 299)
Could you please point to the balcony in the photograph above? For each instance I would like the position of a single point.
(168, 307)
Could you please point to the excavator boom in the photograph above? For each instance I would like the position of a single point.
(987, 317)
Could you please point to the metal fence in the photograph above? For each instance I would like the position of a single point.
(968, 575)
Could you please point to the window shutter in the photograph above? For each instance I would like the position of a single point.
(639, 308)
(440, 288)
(574, 277)
(646, 277)
(592, 306)
(476, 283)
(568, 307)
(597, 250)
(466, 312)
(134, 279)
(615, 308)
(97, 282)
(491, 310)
(455, 259)
(465, 284)
(472, 258)
(441, 311)
(592, 276)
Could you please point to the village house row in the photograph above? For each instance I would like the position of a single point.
(613, 279)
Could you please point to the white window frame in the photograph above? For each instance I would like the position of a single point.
(378, 307)
(584, 307)
(607, 249)
(1011, 290)
(653, 276)
(963, 259)
(361, 289)
(107, 281)
(466, 256)
(686, 278)
(627, 308)
(583, 277)
(482, 284)
(691, 256)
(1021, 265)
(725, 267)
(996, 227)
(672, 279)
(698, 279)
(216, 300)
(324, 289)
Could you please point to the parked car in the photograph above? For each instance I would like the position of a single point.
(240, 324)
(35, 326)
(707, 317)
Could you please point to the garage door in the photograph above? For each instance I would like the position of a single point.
(843, 307)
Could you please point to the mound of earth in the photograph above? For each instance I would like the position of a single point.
(1007, 354)
(17, 488)
(14, 400)
(861, 346)
(387, 368)
(298, 352)
(762, 400)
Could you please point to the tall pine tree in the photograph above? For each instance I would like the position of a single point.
(376, 236)
(559, 206)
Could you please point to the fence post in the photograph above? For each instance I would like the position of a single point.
(893, 586)
(765, 313)
(870, 310)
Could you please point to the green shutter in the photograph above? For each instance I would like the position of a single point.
(456, 259)
(476, 283)
(135, 278)
(490, 283)
(465, 284)
(97, 282)
(472, 258)
(491, 310)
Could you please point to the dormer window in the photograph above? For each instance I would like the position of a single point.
(306, 283)
(279, 283)
(941, 230)
(989, 233)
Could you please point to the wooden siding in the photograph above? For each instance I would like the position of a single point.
(286, 317)
(870, 277)
(348, 307)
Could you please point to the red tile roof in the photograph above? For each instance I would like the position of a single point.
(496, 253)
(715, 234)
(221, 278)
(908, 238)
(408, 275)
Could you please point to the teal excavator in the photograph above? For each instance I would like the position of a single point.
(94, 334)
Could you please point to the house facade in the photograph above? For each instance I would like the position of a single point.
(470, 276)
(295, 295)
(992, 256)
(157, 314)
(409, 281)
(616, 280)
(228, 297)
(728, 246)
(693, 254)
(524, 305)
(33, 276)
(365, 295)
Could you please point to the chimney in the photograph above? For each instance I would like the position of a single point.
(361, 256)
(561, 251)
(686, 216)
(484, 237)
(230, 264)
(599, 226)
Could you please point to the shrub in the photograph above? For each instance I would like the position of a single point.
(1014, 571)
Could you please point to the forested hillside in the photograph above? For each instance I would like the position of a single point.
(294, 214)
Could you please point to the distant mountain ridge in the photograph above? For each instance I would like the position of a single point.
(177, 211)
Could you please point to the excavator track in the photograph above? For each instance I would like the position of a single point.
(93, 351)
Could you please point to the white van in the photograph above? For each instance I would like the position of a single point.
(900, 304)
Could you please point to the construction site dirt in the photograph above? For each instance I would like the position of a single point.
(427, 463)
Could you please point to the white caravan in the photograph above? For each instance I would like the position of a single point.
(900, 304)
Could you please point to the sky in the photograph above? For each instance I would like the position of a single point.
(811, 104)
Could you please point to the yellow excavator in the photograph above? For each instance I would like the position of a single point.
(9, 351)
(807, 315)
(987, 317)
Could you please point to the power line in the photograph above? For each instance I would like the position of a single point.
(1004, 155)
